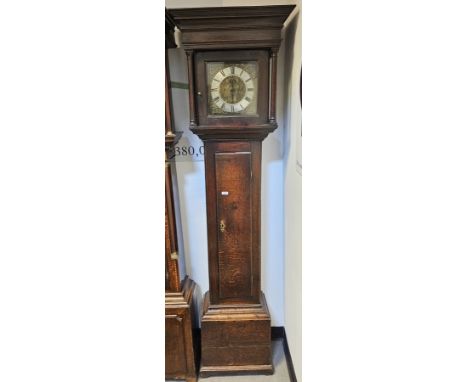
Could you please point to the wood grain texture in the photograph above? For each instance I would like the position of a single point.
(171, 244)
(233, 173)
(234, 255)
(234, 133)
(236, 355)
(176, 364)
(236, 338)
(236, 333)
(179, 353)
(233, 27)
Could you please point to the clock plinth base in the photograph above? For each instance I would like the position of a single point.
(236, 339)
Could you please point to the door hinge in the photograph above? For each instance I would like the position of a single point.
(174, 256)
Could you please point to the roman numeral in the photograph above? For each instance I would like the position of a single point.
(250, 89)
(247, 99)
(250, 79)
(216, 99)
(215, 89)
(241, 72)
(232, 69)
(232, 109)
(222, 72)
(215, 79)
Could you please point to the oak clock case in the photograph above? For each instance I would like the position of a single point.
(179, 294)
(232, 65)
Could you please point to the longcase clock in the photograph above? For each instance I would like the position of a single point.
(180, 310)
(232, 64)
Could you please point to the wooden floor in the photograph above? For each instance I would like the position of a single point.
(280, 375)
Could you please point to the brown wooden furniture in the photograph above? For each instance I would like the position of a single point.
(232, 64)
(180, 360)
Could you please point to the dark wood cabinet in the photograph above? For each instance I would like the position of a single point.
(180, 301)
(232, 65)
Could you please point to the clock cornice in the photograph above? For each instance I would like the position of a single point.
(218, 27)
(170, 25)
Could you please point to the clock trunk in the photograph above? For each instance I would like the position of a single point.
(233, 209)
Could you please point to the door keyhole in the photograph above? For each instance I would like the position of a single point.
(222, 226)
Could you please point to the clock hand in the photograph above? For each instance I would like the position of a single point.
(233, 84)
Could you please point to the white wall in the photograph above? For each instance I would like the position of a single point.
(192, 187)
(293, 190)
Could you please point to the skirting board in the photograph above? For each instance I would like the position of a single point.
(278, 332)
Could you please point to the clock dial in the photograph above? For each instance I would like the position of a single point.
(232, 88)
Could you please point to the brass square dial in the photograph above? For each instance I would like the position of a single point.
(232, 88)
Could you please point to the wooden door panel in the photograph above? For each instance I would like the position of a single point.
(234, 212)
(233, 198)
(175, 345)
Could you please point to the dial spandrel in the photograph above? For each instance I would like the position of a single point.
(232, 88)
